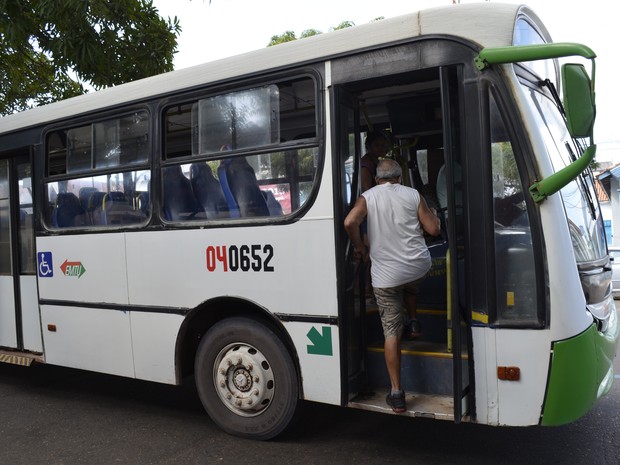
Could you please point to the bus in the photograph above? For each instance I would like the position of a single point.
(188, 227)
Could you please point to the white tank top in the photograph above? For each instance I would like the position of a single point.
(398, 251)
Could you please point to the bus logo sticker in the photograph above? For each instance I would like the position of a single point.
(72, 268)
(321, 343)
(46, 268)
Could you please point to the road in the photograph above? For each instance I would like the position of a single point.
(60, 416)
(53, 416)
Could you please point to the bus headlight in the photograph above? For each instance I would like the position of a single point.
(602, 311)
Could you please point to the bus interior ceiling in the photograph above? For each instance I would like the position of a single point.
(410, 113)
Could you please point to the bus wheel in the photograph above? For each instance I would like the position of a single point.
(246, 379)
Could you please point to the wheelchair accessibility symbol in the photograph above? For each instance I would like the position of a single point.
(46, 268)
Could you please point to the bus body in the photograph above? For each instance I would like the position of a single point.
(191, 224)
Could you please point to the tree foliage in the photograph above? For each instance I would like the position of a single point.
(286, 36)
(289, 36)
(53, 49)
(343, 25)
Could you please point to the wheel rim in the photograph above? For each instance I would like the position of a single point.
(243, 379)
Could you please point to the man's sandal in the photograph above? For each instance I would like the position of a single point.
(412, 330)
(397, 401)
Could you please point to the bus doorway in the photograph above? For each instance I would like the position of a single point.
(419, 114)
(20, 325)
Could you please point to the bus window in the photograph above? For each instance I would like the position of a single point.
(225, 168)
(514, 255)
(5, 232)
(236, 120)
(26, 231)
(265, 185)
(121, 141)
(118, 198)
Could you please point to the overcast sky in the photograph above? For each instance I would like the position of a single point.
(224, 28)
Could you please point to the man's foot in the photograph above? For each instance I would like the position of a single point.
(397, 401)
(412, 330)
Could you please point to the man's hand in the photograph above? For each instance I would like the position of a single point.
(361, 252)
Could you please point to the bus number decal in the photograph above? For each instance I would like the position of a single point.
(253, 257)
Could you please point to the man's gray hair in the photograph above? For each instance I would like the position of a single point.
(388, 169)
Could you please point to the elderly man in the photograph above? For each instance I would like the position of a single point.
(397, 217)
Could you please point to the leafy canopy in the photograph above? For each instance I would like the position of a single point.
(51, 49)
(289, 36)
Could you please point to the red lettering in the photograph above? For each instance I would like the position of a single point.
(222, 256)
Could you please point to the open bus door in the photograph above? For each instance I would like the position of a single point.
(458, 326)
(347, 161)
(20, 327)
(423, 113)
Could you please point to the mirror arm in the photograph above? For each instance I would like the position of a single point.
(551, 184)
(514, 54)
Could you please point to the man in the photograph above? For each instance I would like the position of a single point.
(397, 216)
(377, 146)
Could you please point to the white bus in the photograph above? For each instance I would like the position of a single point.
(189, 226)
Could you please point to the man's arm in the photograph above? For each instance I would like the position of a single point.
(428, 218)
(352, 226)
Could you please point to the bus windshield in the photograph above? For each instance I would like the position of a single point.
(583, 215)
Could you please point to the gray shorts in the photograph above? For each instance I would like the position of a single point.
(390, 301)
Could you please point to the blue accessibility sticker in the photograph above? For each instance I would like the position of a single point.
(46, 268)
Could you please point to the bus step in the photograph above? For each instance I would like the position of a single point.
(20, 358)
(433, 322)
(418, 405)
(426, 367)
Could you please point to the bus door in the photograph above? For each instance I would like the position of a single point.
(347, 162)
(454, 214)
(20, 326)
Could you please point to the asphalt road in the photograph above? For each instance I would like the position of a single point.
(52, 416)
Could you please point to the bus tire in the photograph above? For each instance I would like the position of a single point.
(246, 379)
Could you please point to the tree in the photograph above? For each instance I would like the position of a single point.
(309, 33)
(289, 36)
(52, 49)
(343, 25)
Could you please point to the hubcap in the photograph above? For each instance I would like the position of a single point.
(243, 379)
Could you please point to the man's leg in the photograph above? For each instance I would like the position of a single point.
(390, 301)
(411, 304)
(410, 299)
(392, 360)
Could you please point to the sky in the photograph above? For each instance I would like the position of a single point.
(224, 28)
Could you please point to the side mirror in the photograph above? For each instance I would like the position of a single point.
(578, 100)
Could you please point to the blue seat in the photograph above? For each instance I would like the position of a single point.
(69, 212)
(238, 178)
(143, 201)
(275, 209)
(208, 191)
(233, 208)
(179, 201)
(119, 209)
(85, 195)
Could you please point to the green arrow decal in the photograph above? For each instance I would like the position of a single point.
(72, 268)
(321, 343)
